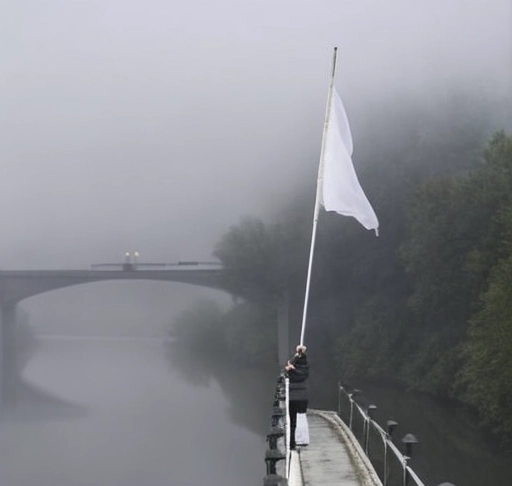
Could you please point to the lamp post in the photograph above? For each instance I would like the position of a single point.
(408, 440)
(391, 425)
(127, 265)
(130, 260)
(370, 410)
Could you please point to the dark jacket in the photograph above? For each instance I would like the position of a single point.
(299, 390)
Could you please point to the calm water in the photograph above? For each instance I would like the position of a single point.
(123, 411)
(111, 412)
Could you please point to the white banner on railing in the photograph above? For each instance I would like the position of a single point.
(302, 430)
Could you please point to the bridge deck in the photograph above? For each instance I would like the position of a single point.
(333, 457)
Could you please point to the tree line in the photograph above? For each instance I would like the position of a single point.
(427, 305)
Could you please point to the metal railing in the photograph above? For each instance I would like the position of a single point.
(378, 444)
(277, 456)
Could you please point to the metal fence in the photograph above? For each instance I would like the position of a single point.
(378, 444)
(277, 456)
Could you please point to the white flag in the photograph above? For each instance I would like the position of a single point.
(341, 191)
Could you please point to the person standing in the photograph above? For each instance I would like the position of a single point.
(297, 369)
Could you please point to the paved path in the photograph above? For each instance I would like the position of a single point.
(332, 458)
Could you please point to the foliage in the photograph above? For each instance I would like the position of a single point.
(250, 256)
(199, 329)
(250, 334)
(244, 335)
(454, 242)
(486, 379)
(420, 305)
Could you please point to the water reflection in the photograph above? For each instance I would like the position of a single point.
(109, 412)
(249, 391)
(34, 403)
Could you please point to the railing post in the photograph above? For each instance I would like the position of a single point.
(408, 440)
(391, 425)
(350, 395)
(368, 420)
(385, 471)
(340, 389)
(351, 412)
(404, 467)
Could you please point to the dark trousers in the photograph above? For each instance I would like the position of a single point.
(295, 407)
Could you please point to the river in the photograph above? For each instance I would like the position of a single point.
(101, 409)
(111, 412)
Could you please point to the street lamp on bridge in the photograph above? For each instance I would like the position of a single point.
(130, 260)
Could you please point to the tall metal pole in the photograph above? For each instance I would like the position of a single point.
(318, 195)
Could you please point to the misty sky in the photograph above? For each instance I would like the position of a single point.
(153, 126)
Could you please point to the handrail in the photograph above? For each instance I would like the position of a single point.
(387, 441)
(397, 473)
(278, 437)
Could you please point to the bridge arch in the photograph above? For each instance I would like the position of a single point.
(16, 286)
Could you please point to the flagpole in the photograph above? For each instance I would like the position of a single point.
(318, 195)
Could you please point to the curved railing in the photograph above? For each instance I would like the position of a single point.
(378, 444)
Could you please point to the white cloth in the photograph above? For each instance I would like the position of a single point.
(341, 191)
(302, 430)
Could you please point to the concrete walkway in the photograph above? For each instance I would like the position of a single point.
(333, 456)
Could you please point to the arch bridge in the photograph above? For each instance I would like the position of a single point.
(17, 285)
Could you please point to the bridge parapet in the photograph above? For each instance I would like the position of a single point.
(16, 285)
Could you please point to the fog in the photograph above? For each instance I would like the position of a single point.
(109, 415)
(153, 126)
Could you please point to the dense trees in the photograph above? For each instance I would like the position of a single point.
(486, 377)
(250, 254)
(452, 332)
(427, 304)
(244, 335)
(486, 374)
